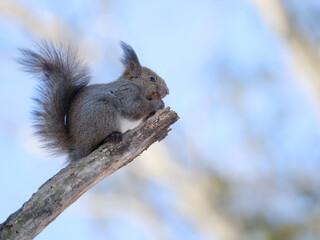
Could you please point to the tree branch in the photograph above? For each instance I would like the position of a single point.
(59, 192)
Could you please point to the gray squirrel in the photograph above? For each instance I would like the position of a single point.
(75, 118)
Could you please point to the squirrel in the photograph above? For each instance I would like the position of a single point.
(75, 118)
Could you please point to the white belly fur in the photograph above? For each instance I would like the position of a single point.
(126, 124)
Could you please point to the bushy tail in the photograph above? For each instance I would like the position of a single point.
(61, 74)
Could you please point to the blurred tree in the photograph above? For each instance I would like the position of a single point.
(248, 168)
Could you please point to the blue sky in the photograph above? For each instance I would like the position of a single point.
(209, 53)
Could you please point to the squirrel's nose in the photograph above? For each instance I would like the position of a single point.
(163, 91)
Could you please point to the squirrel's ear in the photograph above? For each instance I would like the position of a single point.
(130, 60)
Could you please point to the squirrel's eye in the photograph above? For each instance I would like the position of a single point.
(152, 79)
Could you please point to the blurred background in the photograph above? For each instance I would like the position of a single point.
(243, 160)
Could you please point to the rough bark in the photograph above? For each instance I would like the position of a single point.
(59, 192)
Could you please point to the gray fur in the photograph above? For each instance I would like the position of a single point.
(74, 118)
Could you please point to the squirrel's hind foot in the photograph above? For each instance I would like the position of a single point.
(114, 137)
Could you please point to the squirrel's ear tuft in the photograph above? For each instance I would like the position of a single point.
(130, 60)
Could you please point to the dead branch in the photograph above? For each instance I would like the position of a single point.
(60, 191)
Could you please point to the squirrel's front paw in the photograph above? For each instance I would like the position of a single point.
(157, 104)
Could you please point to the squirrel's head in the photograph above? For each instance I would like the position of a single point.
(152, 85)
